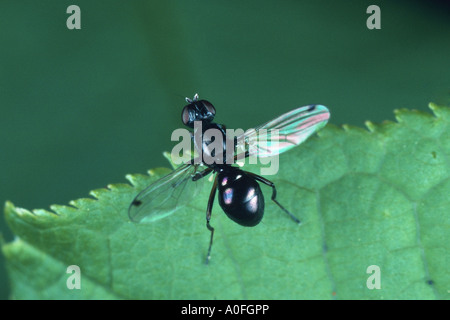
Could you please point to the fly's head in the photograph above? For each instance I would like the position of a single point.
(197, 110)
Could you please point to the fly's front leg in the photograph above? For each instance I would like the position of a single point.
(201, 174)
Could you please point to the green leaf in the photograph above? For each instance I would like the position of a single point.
(377, 197)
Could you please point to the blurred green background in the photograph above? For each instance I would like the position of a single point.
(82, 108)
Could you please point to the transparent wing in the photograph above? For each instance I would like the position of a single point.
(165, 195)
(282, 133)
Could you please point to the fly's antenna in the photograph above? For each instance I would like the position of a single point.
(188, 100)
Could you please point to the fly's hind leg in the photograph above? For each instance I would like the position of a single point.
(274, 194)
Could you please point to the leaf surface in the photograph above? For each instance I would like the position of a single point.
(365, 197)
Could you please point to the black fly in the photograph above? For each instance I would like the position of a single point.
(239, 193)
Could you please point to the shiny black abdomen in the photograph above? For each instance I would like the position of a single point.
(240, 196)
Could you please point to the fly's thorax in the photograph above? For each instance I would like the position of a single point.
(210, 141)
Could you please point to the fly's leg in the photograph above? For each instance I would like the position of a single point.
(274, 194)
(208, 217)
(201, 174)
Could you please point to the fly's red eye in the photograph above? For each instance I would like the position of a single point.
(185, 116)
(208, 105)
